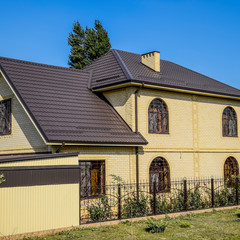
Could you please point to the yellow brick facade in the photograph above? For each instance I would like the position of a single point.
(24, 136)
(194, 146)
(120, 161)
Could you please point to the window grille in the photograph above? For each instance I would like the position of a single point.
(92, 178)
(229, 122)
(5, 117)
(231, 170)
(158, 117)
(159, 173)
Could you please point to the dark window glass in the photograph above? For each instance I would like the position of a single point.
(158, 117)
(231, 170)
(92, 178)
(5, 117)
(229, 122)
(159, 173)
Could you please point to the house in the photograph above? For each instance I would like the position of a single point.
(131, 115)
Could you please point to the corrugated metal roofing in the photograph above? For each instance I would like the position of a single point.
(170, 75)
(63, 107)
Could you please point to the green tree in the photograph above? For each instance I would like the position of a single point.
(87, 45)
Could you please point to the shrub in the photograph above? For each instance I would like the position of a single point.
(133, 207)
(184, 224)
(100, 210)
(238, 213)
(199, 199)
(155, 226)
(225, 196)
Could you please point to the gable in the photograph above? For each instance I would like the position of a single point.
(23, 136)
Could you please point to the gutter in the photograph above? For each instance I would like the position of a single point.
(59, 149)
(136, 131)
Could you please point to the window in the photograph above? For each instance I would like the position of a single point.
(5, 117)
(229, 122)
(231, 170)
(158, 117)
(159, 173)
(92, 178)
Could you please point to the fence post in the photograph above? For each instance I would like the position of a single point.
(212, 191)
(237, 191)
(119, 202)
(185, 194)
(154, 198)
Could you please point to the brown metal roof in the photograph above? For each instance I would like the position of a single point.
(118, 67)
(63, 107)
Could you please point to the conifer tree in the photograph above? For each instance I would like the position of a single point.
(87, 45)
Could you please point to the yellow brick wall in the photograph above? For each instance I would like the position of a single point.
(123, 101)
(194, 146)
(119, 161)
(24, 137)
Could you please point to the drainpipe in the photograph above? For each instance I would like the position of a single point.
(58, 150)
(136, 131)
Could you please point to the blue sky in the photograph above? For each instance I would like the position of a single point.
(202, 35)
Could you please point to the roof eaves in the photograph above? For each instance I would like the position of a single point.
(122, 64)
(142, 141)
(133, 82)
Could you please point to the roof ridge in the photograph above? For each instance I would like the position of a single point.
(122, 64)
(40, 64)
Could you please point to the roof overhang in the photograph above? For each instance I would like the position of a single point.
(98, 144)
(137, 83)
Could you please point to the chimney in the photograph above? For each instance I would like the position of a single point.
(152, 60)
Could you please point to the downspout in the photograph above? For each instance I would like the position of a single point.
(136, 131)
(58, 150)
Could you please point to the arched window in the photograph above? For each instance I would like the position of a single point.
(158, 117)
(229, 122)
(159, 173)
(231, 170)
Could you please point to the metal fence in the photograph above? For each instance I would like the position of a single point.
(126, 200)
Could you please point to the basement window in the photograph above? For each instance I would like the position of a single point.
(5, 117)
(92, 178)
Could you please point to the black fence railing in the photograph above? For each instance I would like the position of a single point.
(120, 201)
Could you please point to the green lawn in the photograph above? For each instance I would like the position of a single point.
(212, 225)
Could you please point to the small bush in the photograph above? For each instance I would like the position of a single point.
(184, 224)
(134, 207)
(100, 210)
(238, 213)
(155, 226)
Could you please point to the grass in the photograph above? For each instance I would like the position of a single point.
(213, 225)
